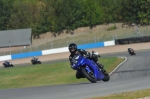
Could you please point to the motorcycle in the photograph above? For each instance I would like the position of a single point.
(33, 61)
(89, 69)
(8, 64)
(131, 52)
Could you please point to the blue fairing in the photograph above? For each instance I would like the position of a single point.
(90, 65)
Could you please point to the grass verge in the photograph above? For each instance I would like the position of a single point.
(46, 74)
(128, 95)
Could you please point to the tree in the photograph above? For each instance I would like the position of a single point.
(92, 13)
(5, 13)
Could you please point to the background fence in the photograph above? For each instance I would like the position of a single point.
(56, 50)
(80, 36)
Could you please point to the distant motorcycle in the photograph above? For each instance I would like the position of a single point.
(89, 69)
(35, 61)
(131, 52)
(8, 64)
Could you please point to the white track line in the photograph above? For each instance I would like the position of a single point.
(118, 65)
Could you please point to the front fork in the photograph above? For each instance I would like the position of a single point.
(89, 71)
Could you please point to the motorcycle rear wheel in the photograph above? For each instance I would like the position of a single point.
(88, 75)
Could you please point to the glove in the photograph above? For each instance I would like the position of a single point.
(96, 53)
(99, 55)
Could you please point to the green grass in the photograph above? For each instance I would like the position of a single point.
(46, 74)
(58, 73)
(128, 95)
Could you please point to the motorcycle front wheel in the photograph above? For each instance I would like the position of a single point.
(106, 78)
(5, 66)
(89, 76)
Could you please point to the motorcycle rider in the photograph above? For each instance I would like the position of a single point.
(74, 50)
(6, 62)
(34, 58)
(130, 50)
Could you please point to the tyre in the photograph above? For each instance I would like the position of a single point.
(39, 62)
(89, 76)
(33, 63)
(133, 54)
(107, 77)
(5, 66)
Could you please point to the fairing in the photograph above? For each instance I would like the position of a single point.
(82, 62)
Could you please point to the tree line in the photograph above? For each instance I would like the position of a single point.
(57, 15)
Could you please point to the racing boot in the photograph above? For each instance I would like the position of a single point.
(100, 65)
(79, 75)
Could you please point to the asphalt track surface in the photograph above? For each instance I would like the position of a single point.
(133, 74)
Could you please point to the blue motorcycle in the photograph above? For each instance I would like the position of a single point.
(89, 69)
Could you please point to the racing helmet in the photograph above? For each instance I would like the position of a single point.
(72, 48)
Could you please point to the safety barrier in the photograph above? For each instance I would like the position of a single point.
(6, 57)
(57, 50)
(27, 54)
(130, 40)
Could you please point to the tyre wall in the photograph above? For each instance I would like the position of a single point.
(132, 40)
